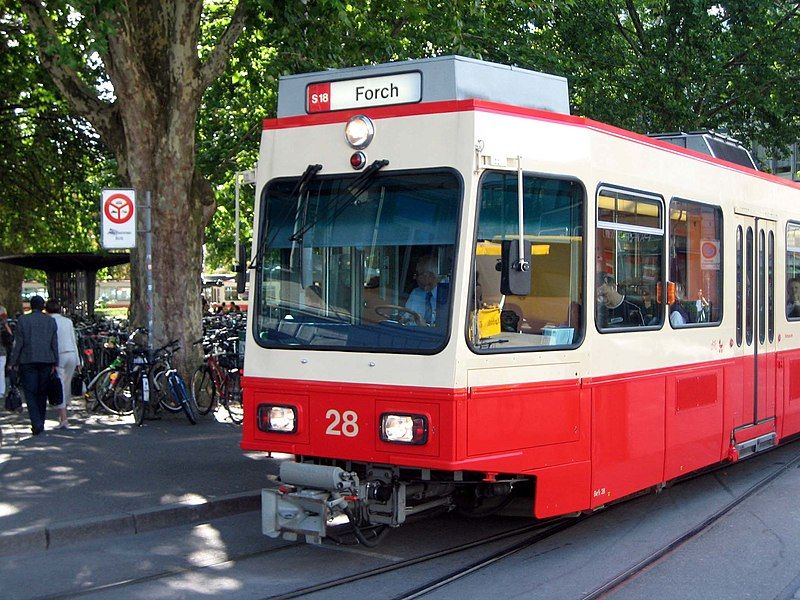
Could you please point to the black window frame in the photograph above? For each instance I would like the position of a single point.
(636, 229)
(739, 285)
(262, 224)
(721, 215)
(520, 349)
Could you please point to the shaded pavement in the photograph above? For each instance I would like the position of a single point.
(105, 476)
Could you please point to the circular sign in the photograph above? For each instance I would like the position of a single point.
(118, 208)
(709, 250)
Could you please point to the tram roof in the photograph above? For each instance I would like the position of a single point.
(426, 80)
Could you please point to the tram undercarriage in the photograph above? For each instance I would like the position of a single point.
(311, 496)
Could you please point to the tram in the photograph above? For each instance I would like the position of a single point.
(461, 293)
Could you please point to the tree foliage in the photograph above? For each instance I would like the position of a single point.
(51, 162)
(646, 65)
(655, 65)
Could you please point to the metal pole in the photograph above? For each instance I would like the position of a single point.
(148, 259)
(239, 177)
(521, 212)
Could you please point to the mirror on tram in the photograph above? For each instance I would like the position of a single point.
(515, 280)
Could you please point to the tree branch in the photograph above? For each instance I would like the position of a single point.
(218, 59)
(735, 60)
(637, 23)
(81, 96)
(626, 35)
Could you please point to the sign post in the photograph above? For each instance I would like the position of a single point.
(148, 260)
(118, 219)
(118, 230)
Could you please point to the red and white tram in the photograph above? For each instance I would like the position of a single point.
(461, 290)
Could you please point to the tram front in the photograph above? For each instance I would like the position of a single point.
(361, 280)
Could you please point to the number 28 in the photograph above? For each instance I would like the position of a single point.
(345, 423)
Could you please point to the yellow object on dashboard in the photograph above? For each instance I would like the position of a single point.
(488, 322)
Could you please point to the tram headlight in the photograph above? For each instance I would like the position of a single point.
(359, 132)
(404, 428)
(277, 418)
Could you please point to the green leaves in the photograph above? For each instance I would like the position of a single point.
(646, 65)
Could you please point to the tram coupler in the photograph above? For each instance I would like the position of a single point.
(311, 495)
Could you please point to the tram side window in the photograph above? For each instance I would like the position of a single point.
(793, 271)
(628, 260)
(551, 314)
(695, 263)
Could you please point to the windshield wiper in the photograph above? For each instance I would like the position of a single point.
(346, 198)
(297, 193)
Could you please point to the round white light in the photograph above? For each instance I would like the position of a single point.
(359, 132)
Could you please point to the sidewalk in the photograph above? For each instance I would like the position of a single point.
(104, 476)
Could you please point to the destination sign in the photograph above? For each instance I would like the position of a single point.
(403, 88)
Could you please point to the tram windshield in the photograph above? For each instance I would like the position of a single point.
(358, 262)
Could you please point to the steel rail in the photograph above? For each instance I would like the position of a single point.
(542, 530)
(626, 575)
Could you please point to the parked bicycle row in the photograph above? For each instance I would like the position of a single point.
(143, 383)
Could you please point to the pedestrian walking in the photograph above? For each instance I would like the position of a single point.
(67, 357)
(35, 355)
(6, 342)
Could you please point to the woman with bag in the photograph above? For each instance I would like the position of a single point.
(6, 341)
(67, 357)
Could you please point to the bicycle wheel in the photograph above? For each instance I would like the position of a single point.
(138, 401)
(123, 395)
(98, 386)
(112, 391)
(180, 394)
(232, 399)
(159, 392)
(204, 391)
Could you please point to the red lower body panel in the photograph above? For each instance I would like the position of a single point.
(586, 442)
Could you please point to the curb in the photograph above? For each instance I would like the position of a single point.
(140, 521)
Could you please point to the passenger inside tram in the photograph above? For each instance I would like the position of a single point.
(613, 308)
(649, 309)
(678, 315)
(793, 303)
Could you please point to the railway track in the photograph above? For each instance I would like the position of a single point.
(532, 535)
(512, 541)
(537, 532)
(616, 582)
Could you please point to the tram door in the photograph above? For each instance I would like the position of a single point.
(755, 323)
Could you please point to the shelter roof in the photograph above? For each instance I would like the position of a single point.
(67, 261)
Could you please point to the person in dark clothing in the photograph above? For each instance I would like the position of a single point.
(649, 309)
(35, 354)
(613, 310)
(793, 303)
(678, 315)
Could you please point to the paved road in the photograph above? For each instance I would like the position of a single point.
(750, 553)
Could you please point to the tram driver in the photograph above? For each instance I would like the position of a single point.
(428, 298)
(613, 309)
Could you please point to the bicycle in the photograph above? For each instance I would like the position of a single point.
(217, 381)
(111, 387)
(138, 364)
(174, 397)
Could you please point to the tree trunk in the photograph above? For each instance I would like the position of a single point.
(11, 288)
(150, 56)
